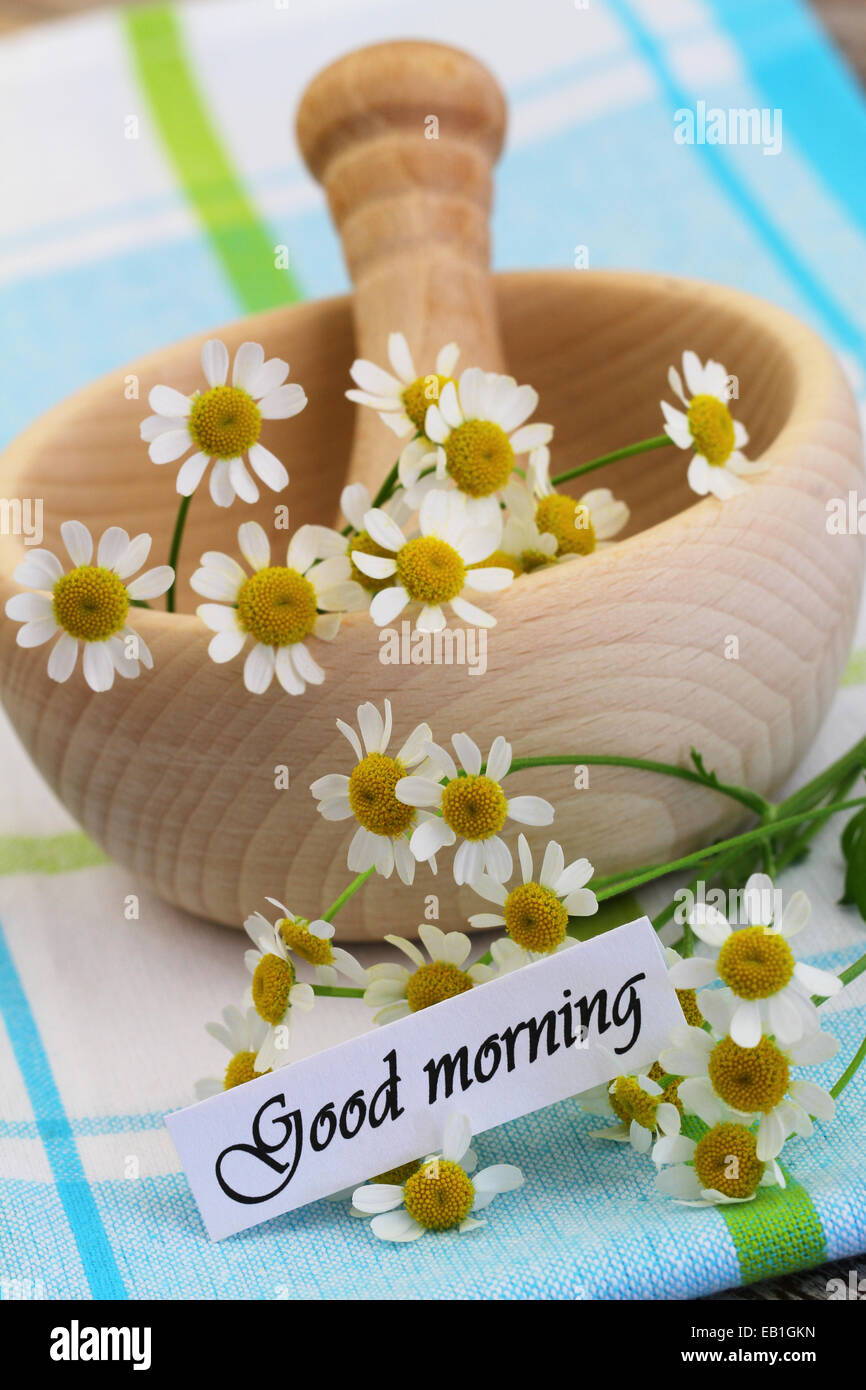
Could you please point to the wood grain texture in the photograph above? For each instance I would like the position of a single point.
(173, 774)
(412, 211)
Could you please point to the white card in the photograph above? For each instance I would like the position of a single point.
(513, 1045)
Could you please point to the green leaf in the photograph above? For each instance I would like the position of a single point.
(853, 844)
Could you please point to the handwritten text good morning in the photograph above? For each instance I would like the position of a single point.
(511, 1046)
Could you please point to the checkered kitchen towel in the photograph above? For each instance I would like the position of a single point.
(147, 166)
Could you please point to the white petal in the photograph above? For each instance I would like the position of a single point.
(259, 669)
(378, 1197)
(497, 859)
(500, 1177)
(401, 358)
(268, 467)
(499, 759)
(457, 1137)
(471, 614)
(241, 481)
(530, 810)
(98, 666)
(813, 1098)
(287, 675)
(78, 542)
(283, 403)
(254, 545)
(249, 360)
(396, 1225)
(271, 375)
(166, 401)
(36, 633)
(64, 653)
(387, 604)
(430, 837)
(215, 362)
(746, 1023)
(152, 583)
(468, 752)
(41, 570)
(817, 981)
(29, 608)
(221, 490)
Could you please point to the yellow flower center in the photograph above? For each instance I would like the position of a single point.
(368, 546)
(534, 560)
(372, 799)
(500, 560)
(225, 421)
(430, 570)
(671, 1091)
(277, 606)
(398, 1175)
(569, 521)
(315, 950)
(712, 428)
(273, 979)
(755, 963)
(432, 983)
(424, 392)
(689, 1004)
(474, 807)
(241, 1068)
(90, 603)
(479, 457)
(630, 1102)
(749, 1078)
(535, 918)
(440, 1195)
(725, 1160)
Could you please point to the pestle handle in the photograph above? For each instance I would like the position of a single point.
(412, 211)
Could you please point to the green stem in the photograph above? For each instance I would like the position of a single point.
(387, 486)
(851, 762)
(850, 1070)
(658, 441)
(745, 797)
(338, 992)
(605, 888)
(846, 977)
(174, 552)
(346, 894)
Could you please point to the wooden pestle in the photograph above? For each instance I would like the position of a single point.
(403, 137)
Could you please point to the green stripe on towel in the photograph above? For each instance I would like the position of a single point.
(48, 854)
(192, 143)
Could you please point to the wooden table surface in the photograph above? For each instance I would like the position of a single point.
(846, 22)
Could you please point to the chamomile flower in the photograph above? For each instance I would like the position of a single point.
(355, 502)
(472, 807)
(688, 997)
(384, 823)
(723, 1081)
(523, 547)
(278, 606)
(772, 989)
(401, 397)
(223, 423)
(311, 942)
(242, 1034)
(89, 604)
(535, 912)
(708, 428)
(396, 991)
(432, 569)
(721, 1167)
(274, 991)
(641, 1106)
(579, 525)
(478, 429)
(439, 1195)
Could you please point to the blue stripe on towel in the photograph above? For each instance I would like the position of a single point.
(97, 1257)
